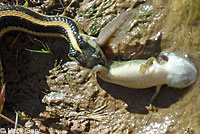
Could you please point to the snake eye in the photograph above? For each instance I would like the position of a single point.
(163, 57)
(96, 55)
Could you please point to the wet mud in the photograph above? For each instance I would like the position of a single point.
(60, 96)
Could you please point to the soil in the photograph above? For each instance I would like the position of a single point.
(52, 94)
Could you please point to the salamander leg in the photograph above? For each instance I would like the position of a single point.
(155, 94)
(147, 64)
(99, 68)
(151, 107)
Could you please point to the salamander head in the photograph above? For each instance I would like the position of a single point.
(182, 71)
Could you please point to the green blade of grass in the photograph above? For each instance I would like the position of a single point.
(38, 51)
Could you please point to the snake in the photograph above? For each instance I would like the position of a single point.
(171, 69)
(81, 48)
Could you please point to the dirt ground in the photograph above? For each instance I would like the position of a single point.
(55, 95)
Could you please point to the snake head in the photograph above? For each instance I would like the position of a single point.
(182, 71)
(91, 55)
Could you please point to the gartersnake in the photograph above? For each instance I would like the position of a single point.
(87, 53)
(81, 48)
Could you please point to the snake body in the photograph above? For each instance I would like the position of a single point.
(176, 71)
(81, 49)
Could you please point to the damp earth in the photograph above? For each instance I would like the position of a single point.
(52, 94)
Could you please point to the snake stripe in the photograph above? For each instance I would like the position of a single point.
(12, 18)
(81, 48)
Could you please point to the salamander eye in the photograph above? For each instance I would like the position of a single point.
(187, 56)
(163, 57)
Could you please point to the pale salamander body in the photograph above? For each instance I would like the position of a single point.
(127, 74)
(170, 69)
